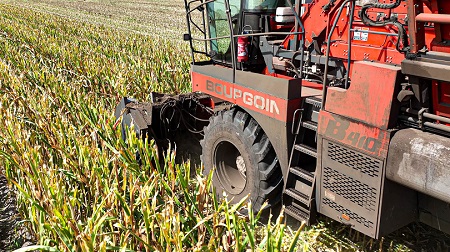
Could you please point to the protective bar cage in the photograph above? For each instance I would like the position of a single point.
(202, 29)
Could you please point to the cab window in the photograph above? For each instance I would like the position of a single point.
(218, 27)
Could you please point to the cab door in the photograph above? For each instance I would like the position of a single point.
(219, 27)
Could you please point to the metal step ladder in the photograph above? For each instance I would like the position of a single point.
(299, 189)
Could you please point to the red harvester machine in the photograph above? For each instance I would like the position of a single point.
(333, 107)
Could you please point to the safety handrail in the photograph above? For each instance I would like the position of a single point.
(433, 18)
(249, 35)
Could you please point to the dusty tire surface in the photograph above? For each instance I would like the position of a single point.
(243, 157)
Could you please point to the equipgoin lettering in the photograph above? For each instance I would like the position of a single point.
(247, 98)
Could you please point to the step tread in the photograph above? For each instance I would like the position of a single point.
(310, 125)
(314, 100)
(297, 213)
(303, 198)
(308, 176)
(306, 149)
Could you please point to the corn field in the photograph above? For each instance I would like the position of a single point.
(78, 184)
(80, 187)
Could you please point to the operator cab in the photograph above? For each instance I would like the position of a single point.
(247, 17)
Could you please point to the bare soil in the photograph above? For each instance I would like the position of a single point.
(13, 234)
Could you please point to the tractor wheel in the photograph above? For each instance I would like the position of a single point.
(243, 159)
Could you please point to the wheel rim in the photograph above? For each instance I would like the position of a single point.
(230, 167)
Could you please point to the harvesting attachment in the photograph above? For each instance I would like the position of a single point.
(177, 120)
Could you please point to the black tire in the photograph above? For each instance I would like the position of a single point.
(243, 157)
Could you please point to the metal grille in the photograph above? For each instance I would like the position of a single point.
(355, 160)
(353, 216)
(349, 188)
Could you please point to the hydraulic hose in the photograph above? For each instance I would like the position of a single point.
(401, 30)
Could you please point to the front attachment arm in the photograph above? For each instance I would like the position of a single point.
(168, 119)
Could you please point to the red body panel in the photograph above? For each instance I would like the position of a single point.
(369, 98)
(376, 47)
(441, 103)
(264, 103)
(357, 135)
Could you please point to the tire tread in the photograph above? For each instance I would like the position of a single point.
(269, 183)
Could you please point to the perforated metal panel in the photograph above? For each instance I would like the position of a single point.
(351, 186)
(355, 160)
(350, 189)
(352, 215)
